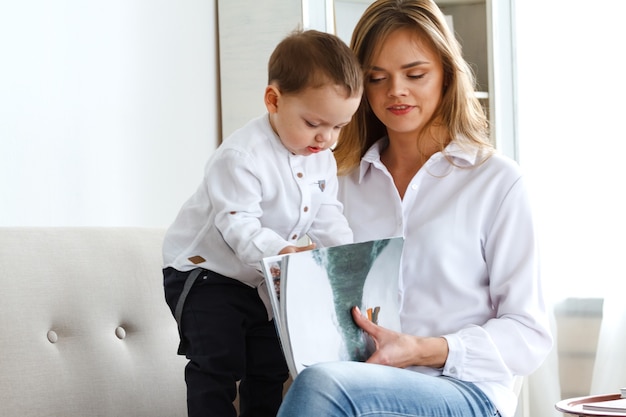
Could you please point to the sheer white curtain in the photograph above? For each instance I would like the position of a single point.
(609, 374)
(572, 145)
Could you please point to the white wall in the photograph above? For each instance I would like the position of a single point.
(571, 89)
(108, 109)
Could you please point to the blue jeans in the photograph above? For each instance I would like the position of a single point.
(359, 389)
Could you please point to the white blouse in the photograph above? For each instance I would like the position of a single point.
(470, 267)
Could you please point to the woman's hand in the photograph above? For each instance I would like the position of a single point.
(402, 350)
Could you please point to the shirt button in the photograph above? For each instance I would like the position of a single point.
(294, 237)
(306, 208)
(300, 174)
(453, 370)
(414, 186)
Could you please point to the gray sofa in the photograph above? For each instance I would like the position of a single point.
(85, 331)
(85, 328)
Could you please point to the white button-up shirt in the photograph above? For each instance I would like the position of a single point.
(256, 197)
(470, 264)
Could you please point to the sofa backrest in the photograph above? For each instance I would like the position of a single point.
(85, 330)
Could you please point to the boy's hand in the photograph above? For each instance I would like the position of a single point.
(294, 249)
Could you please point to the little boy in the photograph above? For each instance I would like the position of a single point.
(270, 183)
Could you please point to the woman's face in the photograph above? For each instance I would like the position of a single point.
(404, 83)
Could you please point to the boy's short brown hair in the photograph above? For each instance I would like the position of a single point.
(310, 58)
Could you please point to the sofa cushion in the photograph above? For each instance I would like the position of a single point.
(85, 328)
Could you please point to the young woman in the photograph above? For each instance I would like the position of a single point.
(418, 163)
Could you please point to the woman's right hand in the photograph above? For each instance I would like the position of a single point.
(402, 350)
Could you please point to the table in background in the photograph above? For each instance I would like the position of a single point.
(575, 405)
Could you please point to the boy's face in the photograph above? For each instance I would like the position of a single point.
(309, 121)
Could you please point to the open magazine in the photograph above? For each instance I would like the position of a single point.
(312, 294)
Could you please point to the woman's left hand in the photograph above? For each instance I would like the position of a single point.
(402, 350)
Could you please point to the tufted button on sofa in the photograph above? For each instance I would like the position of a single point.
(84, 328)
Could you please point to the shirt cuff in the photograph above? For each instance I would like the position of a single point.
(456, 357)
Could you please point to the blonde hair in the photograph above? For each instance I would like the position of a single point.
(459, 110)
(314, 59)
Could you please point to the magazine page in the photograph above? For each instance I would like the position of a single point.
(319, 289)
(272, 268)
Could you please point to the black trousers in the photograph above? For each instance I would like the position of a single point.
(228, 339)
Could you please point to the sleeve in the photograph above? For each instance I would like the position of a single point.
(330, 227)
(518, 338)
(235, 192)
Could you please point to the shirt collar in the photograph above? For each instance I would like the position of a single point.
(467, 156)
